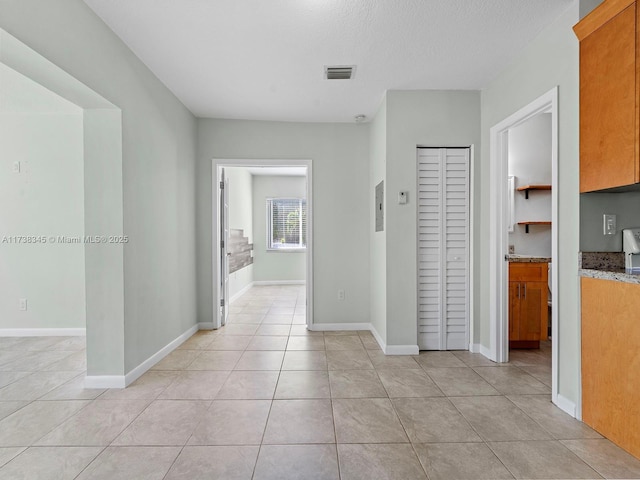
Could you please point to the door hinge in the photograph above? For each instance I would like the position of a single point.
(221, 185)
(221, 243)
(222, 302)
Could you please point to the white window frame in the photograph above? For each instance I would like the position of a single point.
(269, 204)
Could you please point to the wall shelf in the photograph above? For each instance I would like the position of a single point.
(527, 188)
(527, 224)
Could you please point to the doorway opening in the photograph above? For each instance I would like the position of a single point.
(262, 234)
(508, 227)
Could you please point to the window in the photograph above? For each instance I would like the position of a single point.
(286, 224)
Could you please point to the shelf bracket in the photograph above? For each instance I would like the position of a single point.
(526, 227)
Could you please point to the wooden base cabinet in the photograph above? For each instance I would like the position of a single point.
(528, 311)
(611, 360)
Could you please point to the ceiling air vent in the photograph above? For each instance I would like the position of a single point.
(339, 72)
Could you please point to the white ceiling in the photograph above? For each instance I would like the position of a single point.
(264, 59)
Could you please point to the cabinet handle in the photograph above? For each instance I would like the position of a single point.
(525, 290)
(518, 290)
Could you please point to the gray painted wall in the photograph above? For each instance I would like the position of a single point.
(274, 265)
(593, 206)
(45, 199)
(378, 240)
(550, 60)
(158, 150)
(340, 156)
(426, 118)
(530, 162)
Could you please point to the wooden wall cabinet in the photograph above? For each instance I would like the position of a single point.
(609, 92)
(611, 360)
(528, 294)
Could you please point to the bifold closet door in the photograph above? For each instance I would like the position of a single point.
(443, 248)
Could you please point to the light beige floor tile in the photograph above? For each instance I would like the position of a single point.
(273, 330)
(239, 329)
(433, 420)
(474, 359)
(7, 378)
(164, 422)
(34, 386)
(195, 385)
(244, 318)
(148, 387)
(356, 384)
(8, 453)
(177, 360)
(541, 459)
(512, 380)
(497, 419)
(289, 302)
(438, 359)
(248, 309)
(277, 319)
(7, 408)
(75, 362)
(301, 330)
(97, 424)
(300, 421)
(408, 383)
(304, 360)
(216, 360)
(74, 390)
(370, 343)
(49, 463)
(208, 463)
(343, 342)
(42, 343)
(268, 342)
(229, 342)
(198, 341)
(542, 373)
(382, 461)
(308, 462)
(32, 422)
(232, 422)
(380, 360)
(462, 461)
(333, 333)
(10, 356)
(279, 310)
(299, 320)
(306, 343)
(551, 418)
(249, 385)
(72, 343)
(126, 463)
(460, 381)
(348, 360)
(528, 357)
(607, 459)
(260, 360)
(303, 384)
(367, 420)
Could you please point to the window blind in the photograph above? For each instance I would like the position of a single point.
(287, 223)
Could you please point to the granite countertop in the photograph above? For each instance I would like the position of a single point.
(527, 259)
(605, 266)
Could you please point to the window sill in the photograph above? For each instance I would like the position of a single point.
(286, 250)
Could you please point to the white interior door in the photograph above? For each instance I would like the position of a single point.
(224, 253)
(443, 248)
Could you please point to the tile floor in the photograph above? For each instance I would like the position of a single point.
(265, 399)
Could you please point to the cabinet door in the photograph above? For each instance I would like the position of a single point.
(608, 104)
(514, 311)
(533, 306)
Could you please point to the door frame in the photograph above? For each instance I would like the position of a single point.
(498, 235)
(217, 165)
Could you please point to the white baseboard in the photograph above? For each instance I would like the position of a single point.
(104, 381)
(335, 327)
(486, 352)
(475, 347)
(401, 350)
(241, 292)
(566, 405)
(43, 332)
(378, 338)
(278, 282)
(122, 381)
(205, 326)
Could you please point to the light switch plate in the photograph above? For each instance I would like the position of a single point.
(609, 221)
(403, 198)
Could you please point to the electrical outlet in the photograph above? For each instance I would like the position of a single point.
(16, 167)
(341, 294)
(22, 304)
(609, 224)
(512, 249)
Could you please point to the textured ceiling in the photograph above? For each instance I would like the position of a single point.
(264, 59)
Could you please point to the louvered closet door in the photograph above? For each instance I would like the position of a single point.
(443, 248)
